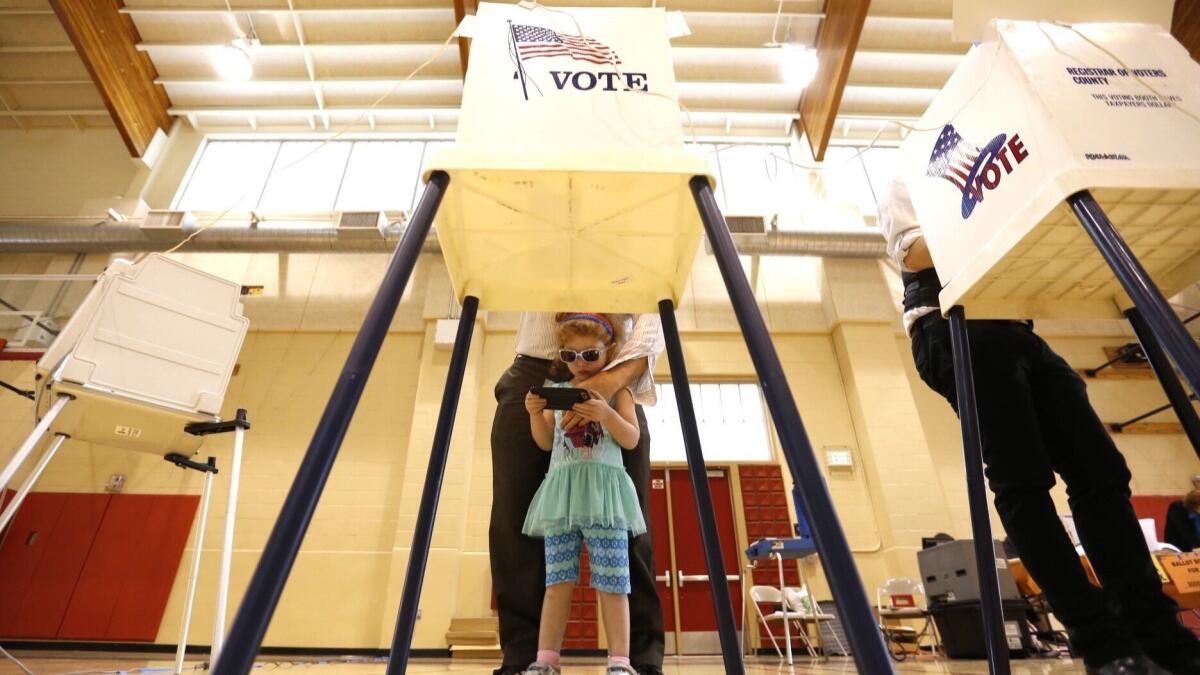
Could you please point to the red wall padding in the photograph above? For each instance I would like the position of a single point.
(92, 566)
(1154, 506)
(42, 556)
(124, 586)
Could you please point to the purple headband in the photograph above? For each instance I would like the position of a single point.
(582, 316)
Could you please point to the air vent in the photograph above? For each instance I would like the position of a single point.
(362, 220)
(746, 224)
(168, 219)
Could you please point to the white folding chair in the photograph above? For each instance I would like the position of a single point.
(796, 612)
(900, 599)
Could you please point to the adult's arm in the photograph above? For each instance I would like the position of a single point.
(608, 382)
(632, 367)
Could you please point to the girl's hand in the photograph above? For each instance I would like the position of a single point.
(534, 404)
(594, 410)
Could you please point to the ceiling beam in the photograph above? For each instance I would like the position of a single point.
(1185, 26)
(837, 38)
(464, 44)
(107, 42)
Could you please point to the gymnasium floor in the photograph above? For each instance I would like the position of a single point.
(43, 663)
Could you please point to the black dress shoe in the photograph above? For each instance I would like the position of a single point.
(1129, 665)
(647, 669)
(509, 670)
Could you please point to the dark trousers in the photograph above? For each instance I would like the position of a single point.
(518, 562)
(1036, 421)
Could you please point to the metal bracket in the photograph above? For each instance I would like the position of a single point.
(222, 427)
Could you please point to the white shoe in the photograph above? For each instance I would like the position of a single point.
(620, 669)
(541, 668)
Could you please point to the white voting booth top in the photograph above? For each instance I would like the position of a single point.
(1032, 116)
(568, 175)
(151, 348)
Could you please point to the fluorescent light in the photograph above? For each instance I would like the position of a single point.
(232, 61)
(797, 64)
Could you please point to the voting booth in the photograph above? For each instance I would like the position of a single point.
(568, 175)
(568, 188)
(143, 365)
(1057, 175)
(1033, 116)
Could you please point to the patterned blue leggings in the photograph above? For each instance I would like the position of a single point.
(608, 556)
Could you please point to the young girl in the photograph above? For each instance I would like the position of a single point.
(586, 494)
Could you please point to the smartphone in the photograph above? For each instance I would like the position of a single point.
(559, 398)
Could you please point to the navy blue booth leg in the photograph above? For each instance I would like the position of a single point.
(1153, 307)
(854, 610)
(730, 649)
(1166, 376)
(981, 522)
(262, 595)
(402, 639)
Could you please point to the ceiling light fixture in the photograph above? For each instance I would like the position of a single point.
(232, 61)
(797, 64)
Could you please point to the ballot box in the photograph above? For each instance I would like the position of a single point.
(1033, 115)
(568, 177)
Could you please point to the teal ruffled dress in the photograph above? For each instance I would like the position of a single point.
(587, 485)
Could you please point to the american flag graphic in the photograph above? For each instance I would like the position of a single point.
(953, 158)
(537, 42)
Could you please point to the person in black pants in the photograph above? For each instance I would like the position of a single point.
(518, 466)
(1035, 420)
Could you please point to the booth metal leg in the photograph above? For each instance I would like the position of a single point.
(783, 607)
(1176, 394)
(13, 506)
(235, 471)
(262, 594)
(981, 521)
(190, 596)
(31, 441)
(413, 579)
(722, 604)
(1157, 313)
(866, 640)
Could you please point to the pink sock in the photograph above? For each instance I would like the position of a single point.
(549, 656)
(619, 661)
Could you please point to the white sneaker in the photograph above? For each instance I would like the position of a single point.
(541, 668)
(620, 669)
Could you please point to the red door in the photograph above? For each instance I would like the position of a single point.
(664, 575)
(697, 620)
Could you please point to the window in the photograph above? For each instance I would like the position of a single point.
(229, 175)
(730, 418)
(304, 176)
(882, 165)
(859, 179)
(381, 175)
(301, 176)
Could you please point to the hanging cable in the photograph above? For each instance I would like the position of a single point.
(19, 392)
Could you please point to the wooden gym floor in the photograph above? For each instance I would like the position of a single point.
(90, 663)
